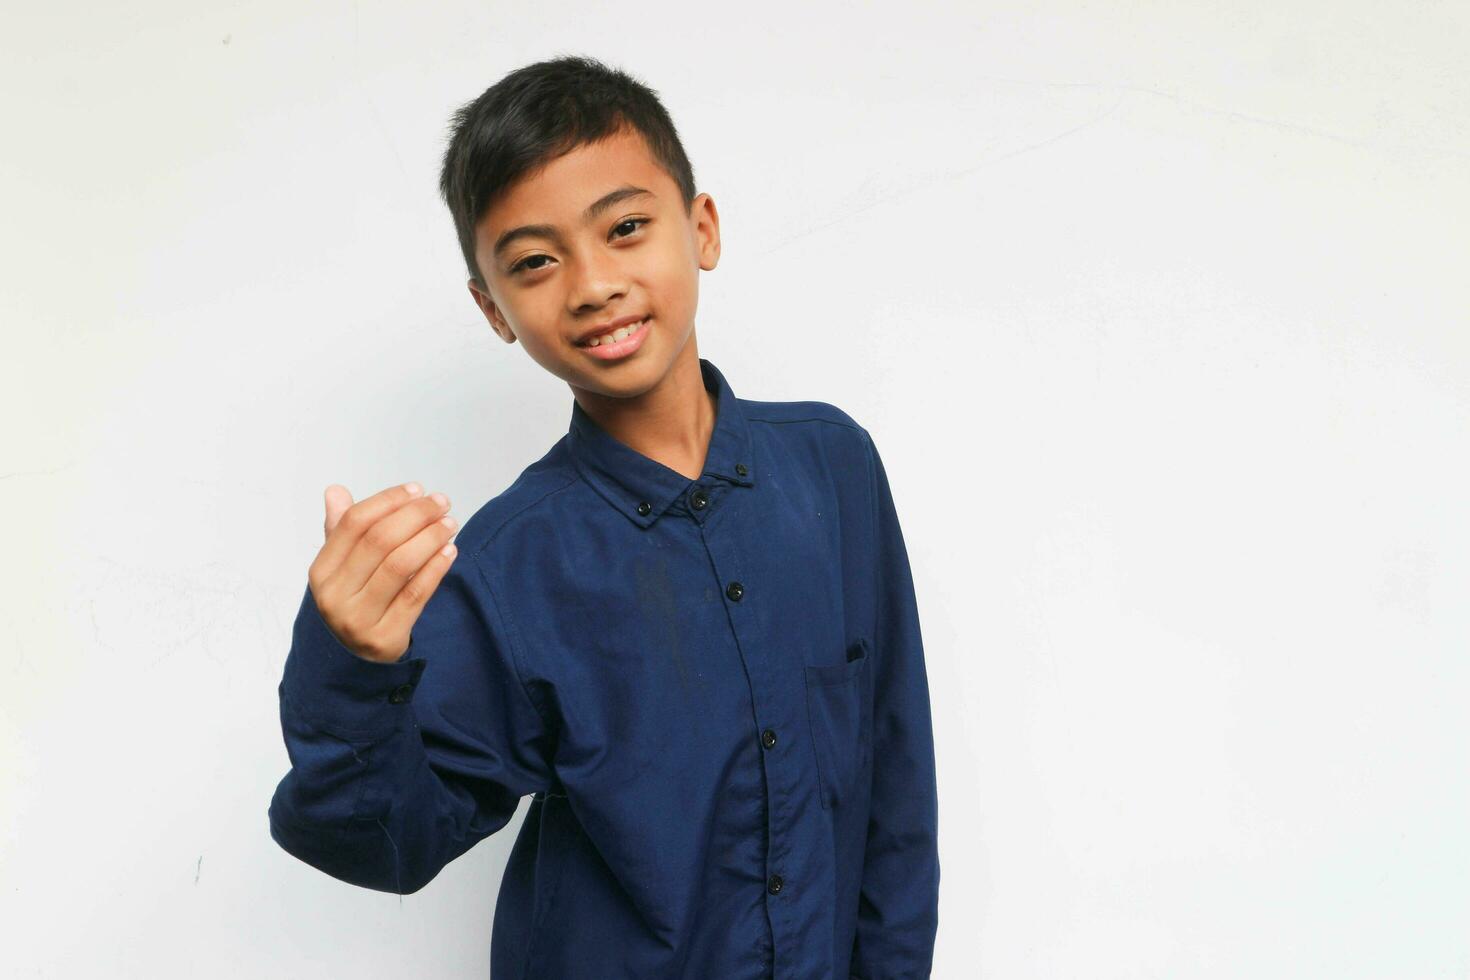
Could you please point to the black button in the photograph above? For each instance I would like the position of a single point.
(768, 738)
(735, 590)
(774, 885)
(644, 508)
(740, 468)
(400, 693)
(698, 499)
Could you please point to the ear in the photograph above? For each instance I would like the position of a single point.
(491, 310)
(705, 221)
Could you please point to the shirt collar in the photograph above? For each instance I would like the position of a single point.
(642, 488)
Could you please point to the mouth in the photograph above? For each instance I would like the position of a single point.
(622, 342)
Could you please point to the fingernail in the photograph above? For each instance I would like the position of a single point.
(439, 499)
(413, 489)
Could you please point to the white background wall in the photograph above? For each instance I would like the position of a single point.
(1158, 312)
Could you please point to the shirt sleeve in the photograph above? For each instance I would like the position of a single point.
(898, 910)
(399, 768)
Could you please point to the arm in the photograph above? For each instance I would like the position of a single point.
(898, 910)
(397, 768)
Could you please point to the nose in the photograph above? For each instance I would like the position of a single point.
(598, 281)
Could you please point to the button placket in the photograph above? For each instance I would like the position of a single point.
(777, 844)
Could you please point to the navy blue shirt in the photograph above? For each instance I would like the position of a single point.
(713, 690)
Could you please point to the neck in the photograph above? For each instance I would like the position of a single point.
(670, 423)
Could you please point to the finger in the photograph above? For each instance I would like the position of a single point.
(419, 534)
(428, 549)
(344, 535)
(360, 573)
(338, 498)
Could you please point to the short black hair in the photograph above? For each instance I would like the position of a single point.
(537, 113)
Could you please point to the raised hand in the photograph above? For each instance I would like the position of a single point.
(382, 559)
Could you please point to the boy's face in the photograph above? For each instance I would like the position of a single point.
(639, 256)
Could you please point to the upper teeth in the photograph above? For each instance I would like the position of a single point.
(616, 335)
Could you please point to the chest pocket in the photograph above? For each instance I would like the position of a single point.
(839, 704)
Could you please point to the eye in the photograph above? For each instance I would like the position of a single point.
(631, 221)
(522, 264)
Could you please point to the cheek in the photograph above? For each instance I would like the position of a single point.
(677, 276)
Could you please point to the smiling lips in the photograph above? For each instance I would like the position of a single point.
(620, 343)
(605, 331)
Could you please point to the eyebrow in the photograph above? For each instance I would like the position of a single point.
(549, 231)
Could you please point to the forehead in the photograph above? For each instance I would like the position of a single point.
(558, 191)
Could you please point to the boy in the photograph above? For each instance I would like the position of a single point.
(688, 631)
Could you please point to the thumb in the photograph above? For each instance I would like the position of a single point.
(337, 498)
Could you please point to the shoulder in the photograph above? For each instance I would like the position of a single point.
(821, 418)
(816, 437)
(547, 477)
(816, 424)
